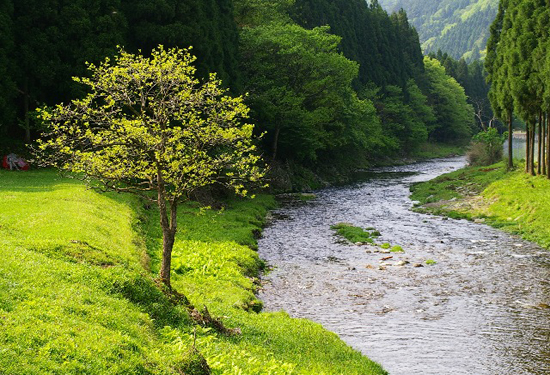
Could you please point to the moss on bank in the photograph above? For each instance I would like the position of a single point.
(513, 201)
(77, 293)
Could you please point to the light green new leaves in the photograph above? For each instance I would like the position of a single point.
(147, 118)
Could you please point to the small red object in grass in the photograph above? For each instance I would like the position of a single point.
(14, 162)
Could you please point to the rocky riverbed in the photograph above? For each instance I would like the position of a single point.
(462, 298)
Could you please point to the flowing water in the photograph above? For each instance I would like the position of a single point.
(483, 308)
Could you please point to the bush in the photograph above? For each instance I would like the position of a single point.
(486, 147)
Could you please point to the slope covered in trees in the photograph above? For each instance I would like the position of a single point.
(45, 43)
(458, 27)
(386, 47)
(329, 83)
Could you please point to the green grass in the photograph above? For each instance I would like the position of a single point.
(469, 181)
(77, 293)
(397, 249)
(513, 201)
(354, 234)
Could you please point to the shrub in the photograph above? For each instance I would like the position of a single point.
(486, 147)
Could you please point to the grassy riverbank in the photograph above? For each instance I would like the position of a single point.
(513, 201)
(77, 293)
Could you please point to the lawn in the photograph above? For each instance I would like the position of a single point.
(78, 295)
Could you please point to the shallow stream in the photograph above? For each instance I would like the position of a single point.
(483, 308)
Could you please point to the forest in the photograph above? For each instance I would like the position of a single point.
(331, 84)
(458, 27)
(518, 69)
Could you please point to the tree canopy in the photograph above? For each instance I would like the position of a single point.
(518, 65)
(147, 127)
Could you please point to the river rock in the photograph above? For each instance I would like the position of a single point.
(418, 265)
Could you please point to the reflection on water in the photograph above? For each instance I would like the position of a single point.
(519, 145)
(481, 309)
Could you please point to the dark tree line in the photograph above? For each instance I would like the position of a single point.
(44, 43)
(330, 83)
(385, 46)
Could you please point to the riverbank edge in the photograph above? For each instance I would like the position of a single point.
(289, 177)
(512, 201)
(214, 265)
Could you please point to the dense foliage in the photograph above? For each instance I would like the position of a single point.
(321, 106)
(386, 47)
(518, 66)
(458, 27)
(473, 78)
(44, 43)
(332, 84)
(486, 147)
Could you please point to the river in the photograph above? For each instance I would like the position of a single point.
(481, 309)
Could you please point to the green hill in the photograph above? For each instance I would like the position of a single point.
(458, 27)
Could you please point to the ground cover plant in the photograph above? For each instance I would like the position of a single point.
(78, 295)
(355, 234)
(514, 201)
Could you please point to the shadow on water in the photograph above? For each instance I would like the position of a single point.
(482, 308)
(381, 174)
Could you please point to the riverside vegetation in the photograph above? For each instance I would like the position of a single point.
(512, 201)
(77, 293)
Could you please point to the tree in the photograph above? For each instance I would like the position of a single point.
(300, 90)
(7, 86)
(147, 127)
(453, 113)
(498, 70)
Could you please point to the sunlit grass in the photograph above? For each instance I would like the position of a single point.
(77, 293)
(513, 201)
(354, 234)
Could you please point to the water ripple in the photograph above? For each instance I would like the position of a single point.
(483, 308)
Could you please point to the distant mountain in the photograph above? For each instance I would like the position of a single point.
(458, 27)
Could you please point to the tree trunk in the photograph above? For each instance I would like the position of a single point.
(533, 132)
(275, 144)
(168, 238)
(547, 146)
(527, 148)
(539, 164)
(543, 142)
(169, 227)
(510, 150)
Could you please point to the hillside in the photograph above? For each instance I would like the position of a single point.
(458, 27)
